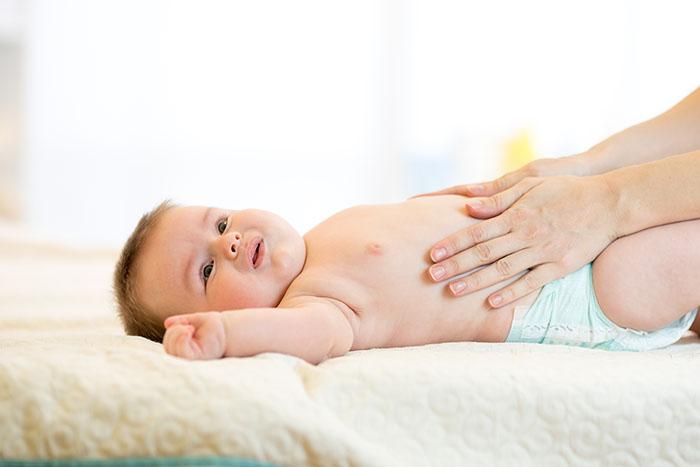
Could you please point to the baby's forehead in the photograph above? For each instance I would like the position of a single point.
(189, 212)
(160, 267)
(182, 226)
(183, 219)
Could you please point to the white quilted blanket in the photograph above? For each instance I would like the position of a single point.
(72, 385)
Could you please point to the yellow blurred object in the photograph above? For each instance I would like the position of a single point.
(518, 151)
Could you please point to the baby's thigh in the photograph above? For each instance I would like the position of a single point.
(649, 279)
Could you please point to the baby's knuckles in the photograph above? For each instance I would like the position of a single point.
(172, 338)
(211, 335)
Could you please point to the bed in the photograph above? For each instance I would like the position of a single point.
(74, 390)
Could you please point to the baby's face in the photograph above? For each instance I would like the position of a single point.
(203, 259)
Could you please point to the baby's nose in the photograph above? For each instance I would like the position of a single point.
(232, 243)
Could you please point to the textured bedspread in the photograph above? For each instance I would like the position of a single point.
(71, 385)
(88, 393)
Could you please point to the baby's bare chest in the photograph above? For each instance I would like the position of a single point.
(382, 277)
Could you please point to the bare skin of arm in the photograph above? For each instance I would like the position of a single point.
(314, 330)
(553, 223)
(676, 131)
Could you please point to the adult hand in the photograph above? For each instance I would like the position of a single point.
(549, 225)
(579, 164)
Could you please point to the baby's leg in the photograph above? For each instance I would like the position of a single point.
(646, 280)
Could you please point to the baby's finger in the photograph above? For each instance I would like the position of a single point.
(467, 238)
(182, 345)
(504, 268)
(170, 334)
(194, 351)
(530, 282)
(478, 255)
(175, 319)
(172, 337)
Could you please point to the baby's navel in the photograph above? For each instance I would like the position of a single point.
(374, 249)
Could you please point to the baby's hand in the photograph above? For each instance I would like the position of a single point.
(197, 336)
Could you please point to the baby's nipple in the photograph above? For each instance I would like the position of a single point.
(373, 249)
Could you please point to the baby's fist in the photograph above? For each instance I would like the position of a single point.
(197, 336)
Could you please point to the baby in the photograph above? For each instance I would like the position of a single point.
(213, 283)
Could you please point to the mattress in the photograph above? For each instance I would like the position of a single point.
(73, 386)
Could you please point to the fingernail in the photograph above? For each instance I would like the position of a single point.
(437, 272)
(474, 203)
(439, 253)
(495, 300)
(457, 287)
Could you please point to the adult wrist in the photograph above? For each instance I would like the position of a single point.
(580, 165)
(600, 159)
(613, 189)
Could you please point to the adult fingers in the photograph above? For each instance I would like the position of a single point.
(480, 189)
(470, 236)
(479, 255)
(530, 282)
(501, 201)
(500, 184)
(463, 190)
(504, 268)
(489, 188)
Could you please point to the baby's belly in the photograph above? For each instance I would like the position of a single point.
(428, 313)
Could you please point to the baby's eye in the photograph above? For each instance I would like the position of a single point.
(221, 225)
(206, 271)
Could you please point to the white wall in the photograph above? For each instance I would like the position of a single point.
(307, 107)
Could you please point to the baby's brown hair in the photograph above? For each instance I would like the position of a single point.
(137, 319)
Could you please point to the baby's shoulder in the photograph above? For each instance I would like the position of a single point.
(318, 283)
(330, 304)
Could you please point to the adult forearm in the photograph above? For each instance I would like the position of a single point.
(655, 193)
(675, 131)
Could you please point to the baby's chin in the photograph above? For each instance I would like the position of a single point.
(266, 291)
(289, 262)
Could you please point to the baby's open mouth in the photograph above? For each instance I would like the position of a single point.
(256, 252)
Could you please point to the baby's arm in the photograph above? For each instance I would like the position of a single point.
(647, 280)
(313, 330)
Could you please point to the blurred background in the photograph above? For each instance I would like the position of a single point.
(307, 107)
